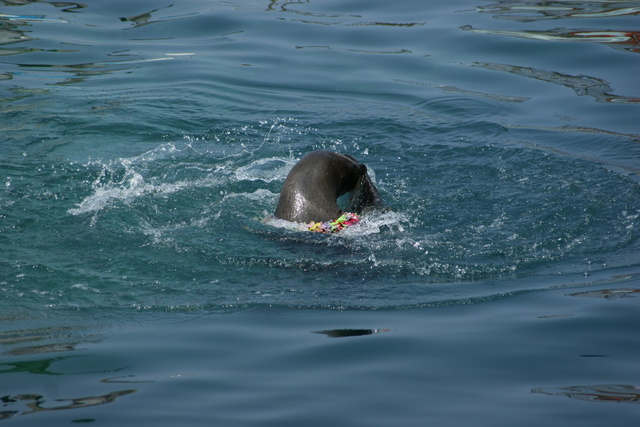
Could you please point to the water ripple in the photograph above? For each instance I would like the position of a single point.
(527, 11)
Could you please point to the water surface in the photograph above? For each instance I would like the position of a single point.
(145, 143)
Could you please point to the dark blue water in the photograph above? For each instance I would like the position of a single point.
(144, 144)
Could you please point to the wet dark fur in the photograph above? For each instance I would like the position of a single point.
(311, 189)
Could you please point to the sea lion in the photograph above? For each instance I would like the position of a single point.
(311, 189)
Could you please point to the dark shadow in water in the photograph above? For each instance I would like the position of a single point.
(583, 85)
(456, 90)
(342, 333)
(14, 29)
(607, 293)
(54, 339)
(37, 403)
(39, 367)
(282, 5)
(624, 40)
(143, 18)
(125, 379)
(66, 6)
(529, 11)
(320, 18)
(9, 36)
(595, 393)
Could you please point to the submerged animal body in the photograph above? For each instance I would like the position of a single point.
(311, 189)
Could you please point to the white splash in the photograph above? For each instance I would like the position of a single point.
(267, 170)
(133, 185)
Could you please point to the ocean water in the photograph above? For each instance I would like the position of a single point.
(143, 147)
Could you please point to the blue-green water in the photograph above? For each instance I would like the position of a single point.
(143, 143)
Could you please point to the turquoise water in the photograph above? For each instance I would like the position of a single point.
(144, 143)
